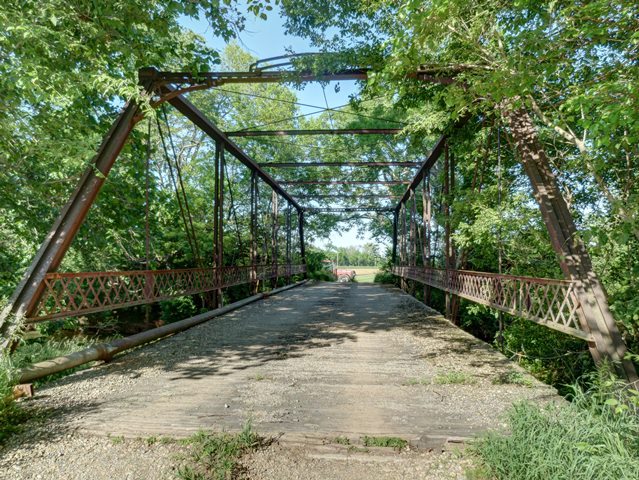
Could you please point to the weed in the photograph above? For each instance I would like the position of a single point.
(390, 442)
(12, 418)
(454, 378)
(356, 449)
(152, 440)
(117, 440)
(259, 377)
(513, 377)
(215, 456)
(416, 381)
(341, 440)
(592, 438)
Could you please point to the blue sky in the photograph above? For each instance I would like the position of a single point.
(265, 39)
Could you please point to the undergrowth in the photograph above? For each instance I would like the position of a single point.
(12, 414)
(389, 442)
(594, 437)
(215, 456)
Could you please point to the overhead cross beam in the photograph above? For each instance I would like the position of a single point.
(317, 131)
(348, 209)
(339, 164)
(354, 195)
(344, 182)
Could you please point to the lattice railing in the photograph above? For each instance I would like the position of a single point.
(547, 301)
(73, 294)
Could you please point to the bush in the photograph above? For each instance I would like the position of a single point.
(322, 275)
(596, 436)
(177, 309)
(385, 277)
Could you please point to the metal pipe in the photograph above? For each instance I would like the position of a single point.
(106, 351)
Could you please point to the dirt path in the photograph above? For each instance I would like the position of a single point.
(308, 365)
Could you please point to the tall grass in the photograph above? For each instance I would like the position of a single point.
(12, 415)
(595, 436)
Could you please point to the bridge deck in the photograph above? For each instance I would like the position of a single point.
(320, 360)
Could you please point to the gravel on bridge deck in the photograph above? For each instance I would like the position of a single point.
(308, 365)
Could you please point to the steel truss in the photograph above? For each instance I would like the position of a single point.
(592, 310)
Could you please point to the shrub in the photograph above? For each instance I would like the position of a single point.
(595, 437)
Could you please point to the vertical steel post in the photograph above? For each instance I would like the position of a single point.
(218, 220)
(412, 255)
(274, 240)
(447, 263)
(288, 243)
(427, 218)
(394, 250)
(300, 226)
(253, 228)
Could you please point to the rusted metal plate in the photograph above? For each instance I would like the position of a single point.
(23, 390)
(80, 293)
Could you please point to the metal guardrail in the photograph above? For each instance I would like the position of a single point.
(550, 302)
(73, 294)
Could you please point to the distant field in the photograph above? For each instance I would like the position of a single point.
(364, 274)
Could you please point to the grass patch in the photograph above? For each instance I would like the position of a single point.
(389, 442)
(416, 381)
(454, 378)
(595, 437)
(513, 377)
(117, 440)
(215, 456)
(341, 440)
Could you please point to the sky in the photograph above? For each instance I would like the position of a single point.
(265, 39)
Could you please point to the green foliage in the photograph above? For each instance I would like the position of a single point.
(513, 377)
(593, 437)
(177, 309)
(388, 442)
(552, 357)
(341, 440)
(385, 277)
(454, 378)
(215, 456)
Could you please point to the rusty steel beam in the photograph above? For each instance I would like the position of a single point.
(318, 131)
(348, 209)
(187, 109)
(216, 79)
(424, 169)
(202, 80)
(339, 164)
(344, 182)
(348, 195)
